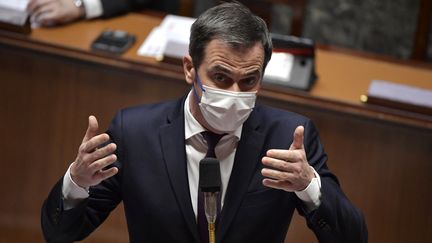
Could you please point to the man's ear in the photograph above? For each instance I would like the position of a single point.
(188, 69)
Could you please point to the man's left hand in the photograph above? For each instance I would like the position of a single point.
(289, 169)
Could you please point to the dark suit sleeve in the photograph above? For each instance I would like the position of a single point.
(59, 225)
(336, 220)
(117, 7)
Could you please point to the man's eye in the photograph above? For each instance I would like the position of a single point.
(219, 78)
(250, 81)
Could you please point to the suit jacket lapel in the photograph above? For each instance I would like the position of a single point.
(173, 149)
(245, 165)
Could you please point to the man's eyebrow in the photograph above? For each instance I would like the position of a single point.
(219, 68)
(222, 69)
(253, 72)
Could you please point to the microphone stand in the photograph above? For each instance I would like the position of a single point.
(210, 207)
(210, 184)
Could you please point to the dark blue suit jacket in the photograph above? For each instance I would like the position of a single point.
(153, 184)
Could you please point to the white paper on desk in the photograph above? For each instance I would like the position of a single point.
(18, 5)
(171, 38)
(178, 25)
(154, 44)
(279, 67)
(13, 11)
(401, 93)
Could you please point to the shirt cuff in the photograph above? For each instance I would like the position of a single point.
(72, 193)
(93, 8)
(311, 195)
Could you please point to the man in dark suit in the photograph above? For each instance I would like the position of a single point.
(54, 12)
(271, 161)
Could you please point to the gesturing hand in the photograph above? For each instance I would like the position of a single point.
(289, 169)
(87, 169)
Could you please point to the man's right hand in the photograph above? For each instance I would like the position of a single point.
(88, 168)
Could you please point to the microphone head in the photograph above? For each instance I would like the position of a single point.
(209, 175)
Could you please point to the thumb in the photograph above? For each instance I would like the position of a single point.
(298, 138)
(91, 129)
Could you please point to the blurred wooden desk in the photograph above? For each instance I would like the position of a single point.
(51, 82)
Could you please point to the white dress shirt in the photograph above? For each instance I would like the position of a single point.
(93, 8)
(196, 149)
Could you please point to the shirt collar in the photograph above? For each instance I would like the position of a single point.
(193, 127)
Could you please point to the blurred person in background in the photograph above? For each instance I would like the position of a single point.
(57, 12)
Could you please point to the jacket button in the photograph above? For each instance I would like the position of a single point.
(56, 215)
(323, 225)
(54, 218)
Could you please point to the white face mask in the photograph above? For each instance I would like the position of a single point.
(224, 110)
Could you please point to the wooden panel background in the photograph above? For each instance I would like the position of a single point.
(45, 104)
(384, 168)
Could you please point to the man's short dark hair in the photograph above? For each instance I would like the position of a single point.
(232, 23)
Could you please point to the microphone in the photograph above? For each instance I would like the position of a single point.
(210, 185)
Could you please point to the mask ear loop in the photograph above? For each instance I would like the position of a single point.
(201, 86)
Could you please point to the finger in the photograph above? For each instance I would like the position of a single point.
(41, 11)
(105, 174)
(285, 155)
(102, 152)
(277, 164)
(277, 175)
(298, 138)
(94, 142)
(31, 5)
(34, 5)
(57, 15)
(283, 185)
(91, 129)
(102, 163)
(47, 19)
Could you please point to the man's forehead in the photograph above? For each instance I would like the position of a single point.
(219, 50)
(233, 46)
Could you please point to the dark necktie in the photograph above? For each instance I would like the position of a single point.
(212, 139)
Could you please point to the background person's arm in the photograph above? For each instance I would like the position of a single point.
(54, 12)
